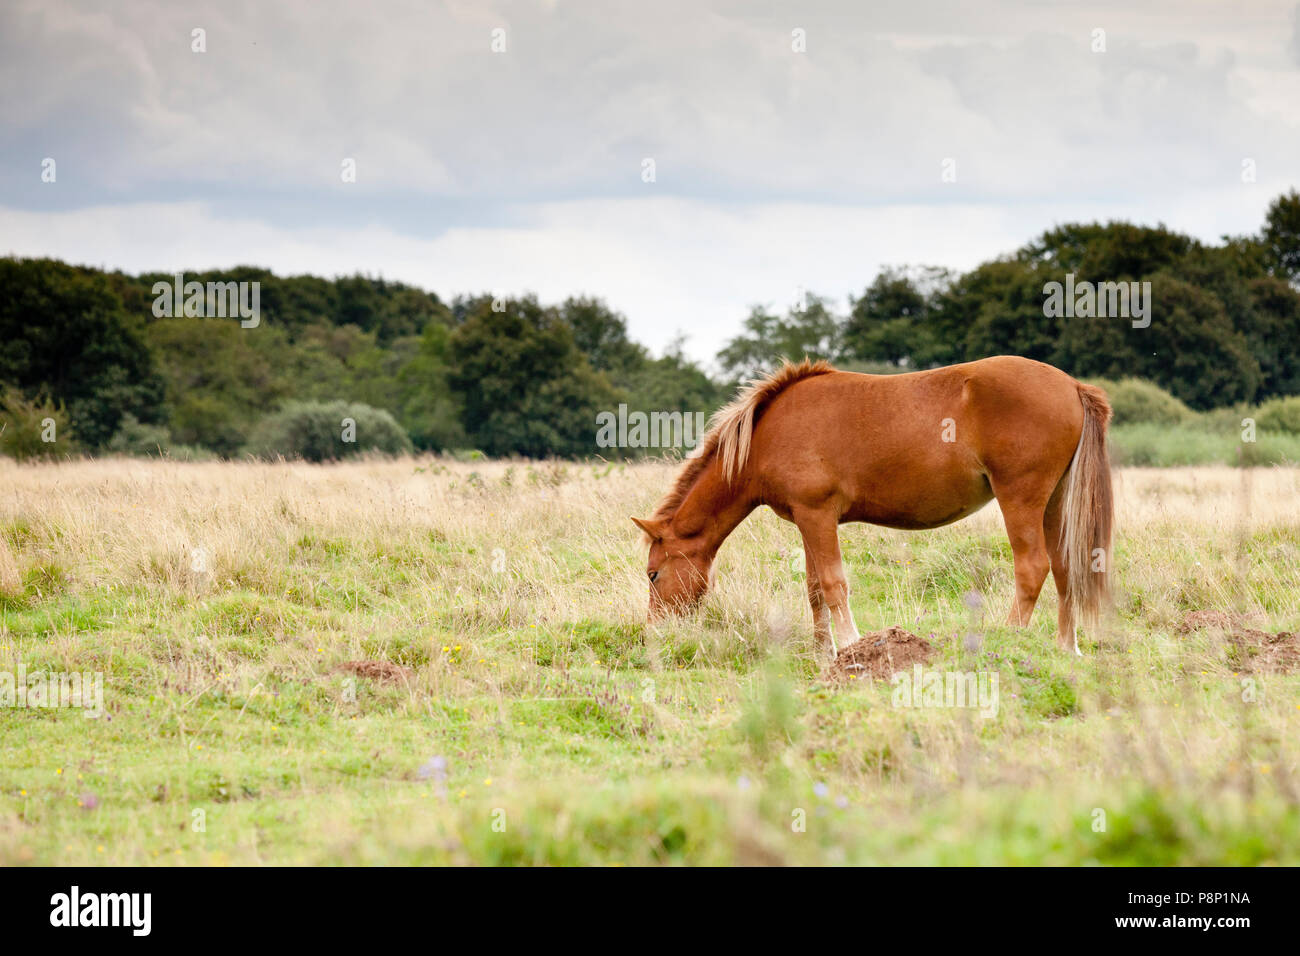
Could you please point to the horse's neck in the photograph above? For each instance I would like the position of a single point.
(713, 507)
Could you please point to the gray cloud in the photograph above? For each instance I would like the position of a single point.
(586, 91)
(1295, 35)
(452, 140)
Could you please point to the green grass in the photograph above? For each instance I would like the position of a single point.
(1174, 445)
(540, 721)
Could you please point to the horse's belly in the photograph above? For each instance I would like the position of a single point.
(921, 505)
(908, 521)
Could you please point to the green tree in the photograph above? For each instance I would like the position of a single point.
(526, 387)
(220, 378)
(1107, 252)
(66, 335)
(1281, 236)
(996, 309)
(891, 321)
(673, 382)
(429, 409)
(807, 330)
(601, 334)
(1271, 325)
(1190, 348)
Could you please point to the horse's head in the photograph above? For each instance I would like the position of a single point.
(679, 569)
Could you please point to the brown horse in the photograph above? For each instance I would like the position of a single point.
(821, 447)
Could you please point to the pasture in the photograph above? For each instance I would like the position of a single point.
(434, 661)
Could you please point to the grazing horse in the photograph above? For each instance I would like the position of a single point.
(821, 447)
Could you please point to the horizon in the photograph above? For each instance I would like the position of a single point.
(708, 363)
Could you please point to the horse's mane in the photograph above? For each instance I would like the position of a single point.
(731, 428)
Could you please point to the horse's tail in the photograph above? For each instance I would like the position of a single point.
(1089, 511)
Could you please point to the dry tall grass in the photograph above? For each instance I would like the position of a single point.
(193, 527)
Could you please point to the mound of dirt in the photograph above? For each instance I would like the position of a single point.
(878, 655)
(1200, 621)
(376, 670)
(1249, 648)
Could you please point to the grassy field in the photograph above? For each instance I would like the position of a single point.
(511, 705)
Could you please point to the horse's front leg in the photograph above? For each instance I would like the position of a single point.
(821, 614)
(821, 542)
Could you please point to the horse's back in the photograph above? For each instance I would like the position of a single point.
(918, 449)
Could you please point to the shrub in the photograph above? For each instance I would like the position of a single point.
(1226, 420)
(24, 425)
(319, 431)
(134, 437)
(1279, 415)
(1137, 401)
(141, 440)
(1172, 446)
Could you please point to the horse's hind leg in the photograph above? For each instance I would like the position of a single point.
(1053, 525)
(1024, 521)
(821, 542)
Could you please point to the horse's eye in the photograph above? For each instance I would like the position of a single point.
(653, 575)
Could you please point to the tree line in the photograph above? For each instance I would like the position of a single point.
(87, 350)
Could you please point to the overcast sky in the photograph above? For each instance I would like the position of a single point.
(522, 170)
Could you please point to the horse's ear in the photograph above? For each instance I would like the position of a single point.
(655, 529)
